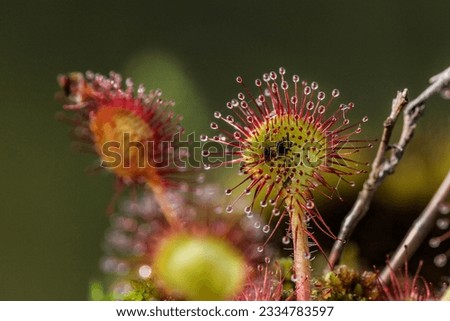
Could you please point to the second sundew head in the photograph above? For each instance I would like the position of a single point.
(287, 141)
(132, 131)
(112, 124)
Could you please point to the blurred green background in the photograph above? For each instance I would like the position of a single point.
(53, 215)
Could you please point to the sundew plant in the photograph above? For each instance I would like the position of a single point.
(176, 234)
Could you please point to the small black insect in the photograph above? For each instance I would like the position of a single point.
(66, 86)
(284, 146)
(268, 153)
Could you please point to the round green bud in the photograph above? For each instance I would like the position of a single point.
(199, 267)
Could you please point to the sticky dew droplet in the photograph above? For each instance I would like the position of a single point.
(307, 90)
(440, 260)
(442, 223)
(309, 204)
(444, 208)
(145, 271)
(434, 242)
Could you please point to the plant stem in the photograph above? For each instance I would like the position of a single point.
(161, 197)
(301, 267)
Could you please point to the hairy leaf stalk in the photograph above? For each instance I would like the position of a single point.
(302, 264)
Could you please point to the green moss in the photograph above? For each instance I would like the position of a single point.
(346, 284)
(143, 290)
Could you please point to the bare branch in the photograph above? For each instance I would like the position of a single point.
(439, 83)
(388, 156)
(418, 231)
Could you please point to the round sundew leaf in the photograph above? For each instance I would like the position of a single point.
(199, 267)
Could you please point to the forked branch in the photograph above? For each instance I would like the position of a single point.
(388, 155)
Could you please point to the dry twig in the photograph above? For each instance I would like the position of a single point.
(385, 163)
(418, 231)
